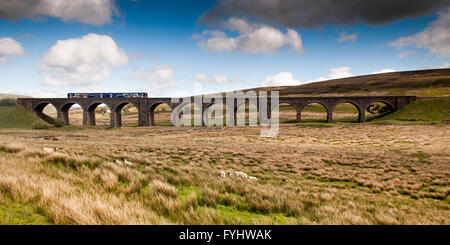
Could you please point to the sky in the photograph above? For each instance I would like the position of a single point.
(173, 48)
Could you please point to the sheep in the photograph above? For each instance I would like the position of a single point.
(118, 162)
(241, 175)
(231, 174)
(237, 174)
(50, 150)
(128, 163)
(222, 174)
(252, 178)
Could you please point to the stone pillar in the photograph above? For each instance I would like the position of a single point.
(231, 114)
(151, 117)
(202, 115)
(362, 116)
(329, 117)
(143, 113)
(59, 114)
(235, 116)
(142, 121)
(91, 118)
(112, 119)
(269, 111)
(299, 117)
(66, 117)
(85, 118)
(118, 119)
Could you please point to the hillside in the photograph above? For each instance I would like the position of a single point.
(420, 111)
(12, 96)
(17, 117)
(423, 83)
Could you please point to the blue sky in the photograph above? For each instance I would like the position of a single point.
(166, 49)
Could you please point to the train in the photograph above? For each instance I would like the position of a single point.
(106, 95)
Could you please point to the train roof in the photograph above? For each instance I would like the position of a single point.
(113, 93)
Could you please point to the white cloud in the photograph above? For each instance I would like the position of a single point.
(158, 79)
(339, 72)
(94, 12)
(435, 38)
(446, 65)
(217, 79)
(9, 46)
(384, 71)
(36, 92)
(343, 36)
(281, 79)
(252, 38)
(84, 61)
(335, 73)
(406, 54)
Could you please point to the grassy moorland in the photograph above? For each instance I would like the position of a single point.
(340, 174)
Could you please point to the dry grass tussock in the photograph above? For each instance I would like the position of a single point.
(345, 174)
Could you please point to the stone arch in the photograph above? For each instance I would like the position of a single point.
(287, 105)
(359, 109)
(89, 112)
(225, 115)
(324, 105)
(388, 103)
(65, 109)
(39, 111)
(116, 113)
(152, 111)
(248, 112)
(196, 117)
(375, 112)
(40, 106)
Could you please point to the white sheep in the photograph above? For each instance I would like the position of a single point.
(118, 162)
(237, 174)
(50, 150)
(240, 175)
(222, 174)
(252, 178)
(128, 163)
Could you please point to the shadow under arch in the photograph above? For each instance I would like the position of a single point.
(217, 114)
(44, 110)
(313, 111)
(160, 114)
(246, 113)
(97, 109)
(189, 114)
(124, 109)
(378, 109)
(288, 113)
(66, 111)
(348, 111)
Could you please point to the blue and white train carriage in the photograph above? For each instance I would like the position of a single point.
(107, 95)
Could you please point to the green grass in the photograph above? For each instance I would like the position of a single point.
(17, 117)
(419, 112)
(230, 214)
(17, 213)
(315, 125)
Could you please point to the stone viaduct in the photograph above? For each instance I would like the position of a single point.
(146, 106)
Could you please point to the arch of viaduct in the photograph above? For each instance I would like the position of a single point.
(146, 106)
